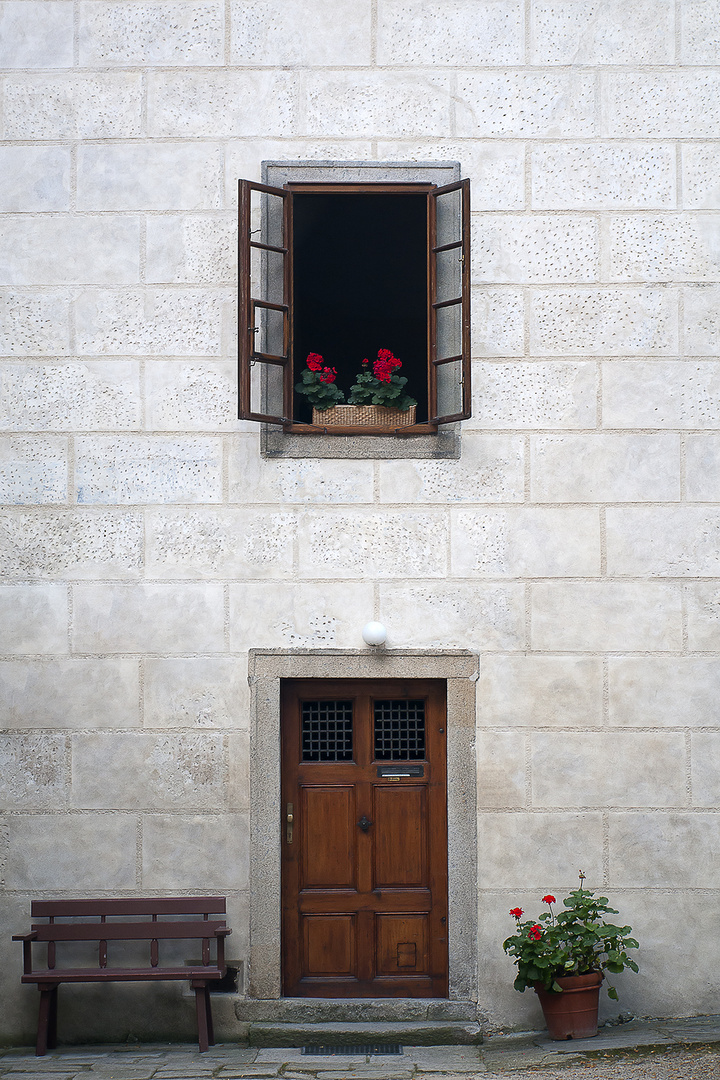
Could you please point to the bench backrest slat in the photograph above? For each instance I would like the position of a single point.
(126, 931)
(149, 905)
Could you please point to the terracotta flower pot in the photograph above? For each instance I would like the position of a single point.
(573, 1014)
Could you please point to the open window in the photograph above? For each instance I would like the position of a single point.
(346, 269)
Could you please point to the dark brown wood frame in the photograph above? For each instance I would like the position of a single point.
(247, 305)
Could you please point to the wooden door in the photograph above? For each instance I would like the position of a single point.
(364, 839)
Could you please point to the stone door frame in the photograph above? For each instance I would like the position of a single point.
(265, 670)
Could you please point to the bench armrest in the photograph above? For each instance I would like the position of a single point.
(27, 940)
(223, 931)
(32, 936)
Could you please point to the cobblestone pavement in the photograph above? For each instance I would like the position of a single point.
(660, 1050)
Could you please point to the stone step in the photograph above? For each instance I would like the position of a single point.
(407, 1033)
(352, 1010)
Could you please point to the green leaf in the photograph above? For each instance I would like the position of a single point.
(612, 992)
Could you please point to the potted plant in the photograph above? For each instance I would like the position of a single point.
(380, 389)
(318, 385)
(564, 955)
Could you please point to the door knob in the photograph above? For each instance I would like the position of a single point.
(364, 823)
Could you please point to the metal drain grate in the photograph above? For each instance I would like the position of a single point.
(346, 1051)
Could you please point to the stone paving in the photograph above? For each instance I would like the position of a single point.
(498, 1054)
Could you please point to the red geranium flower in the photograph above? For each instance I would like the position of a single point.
(328, 375)
(535, 932)
(549, 899)
(516, 912)
(314, 361)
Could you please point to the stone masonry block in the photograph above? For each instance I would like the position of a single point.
(703, 615)
(152, 322)
(288, 615)
(33, 619)
(196, 693)
(33, 324)
(192, 249)
(70, 543)
(33, 772)
(303, 33)
(704, 750)
(597, 32)
(534, 395)
(390, 544)
(702, 468)
(684, 247)
(184, 396)
(660, 104)
(582, 176)
(222, 105)
(496, 170)
(200, 852)
(34, 178)
(238, 788)
(128, 770)
(244, 157)
(491, 469)
(501, 769)
(468, 33)
(611, 322)
(148, 469)
(102, 106)
(701, 176)
(605, 468)
(103, 250)
(151, 34)
(298, 480)
(68, 396)
(33, 469)
(150, 176)
(664, 850)
(702, 320)
(388, 103)
(699, 32)
(606, 615)
(667, 394)
(667, 541)
(599, 768)
(525, 104)
(524, 851)
(222, 543)
(174, 619)
(539, 691)
(527, 542)
(498, 318)
(36, 34)
(655, 691)
(519, 250)
(71, 694)
(460, 615)
(95, 849)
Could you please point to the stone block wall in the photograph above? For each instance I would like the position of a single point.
(146, 545)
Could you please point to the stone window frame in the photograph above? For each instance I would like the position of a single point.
(445, 442)
(266, 668)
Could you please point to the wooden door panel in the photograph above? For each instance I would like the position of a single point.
(328, 837)
(402, 945)
(329, 947)
(400, 837)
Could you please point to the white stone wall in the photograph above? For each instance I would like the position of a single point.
(146, 545)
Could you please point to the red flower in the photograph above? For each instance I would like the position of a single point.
(516, 912)
(549, 899)
(328, 375)
(535, 932)
(314, 361)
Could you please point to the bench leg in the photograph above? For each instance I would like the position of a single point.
(202, 1006)
(47, 1019)
(211, 1033)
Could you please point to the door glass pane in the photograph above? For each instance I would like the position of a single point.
(327, 731)
(266, 388)
(448, 331)
(399, 730)
(449, 388)
(270, 336)
(266, 218)
(267, 275)
(449, 276)
(449, 217)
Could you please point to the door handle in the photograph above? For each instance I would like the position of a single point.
(289, 821)
(364, 823)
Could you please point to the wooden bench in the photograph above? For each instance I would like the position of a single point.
(149, 919)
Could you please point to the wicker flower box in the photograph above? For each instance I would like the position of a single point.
(364, 416)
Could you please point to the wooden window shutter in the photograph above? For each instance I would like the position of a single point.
(449, 263)
(265, 375)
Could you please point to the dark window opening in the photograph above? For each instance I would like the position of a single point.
(360, 284)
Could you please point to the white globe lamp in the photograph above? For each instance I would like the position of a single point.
(374, 633)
